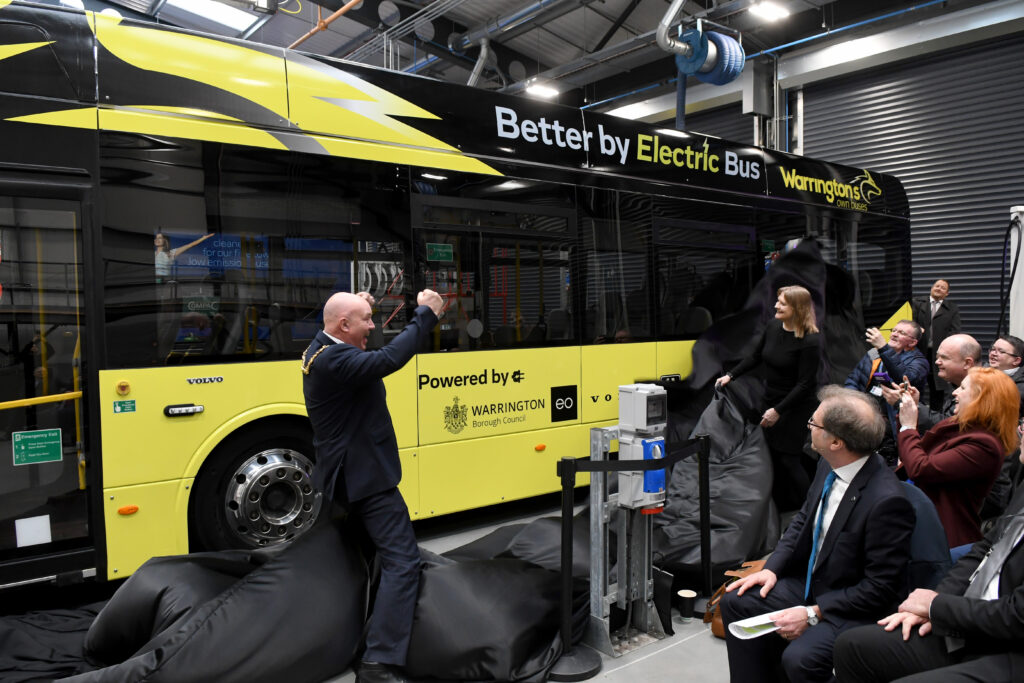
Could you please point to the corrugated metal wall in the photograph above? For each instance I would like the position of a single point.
(725, 122)
(951, 128)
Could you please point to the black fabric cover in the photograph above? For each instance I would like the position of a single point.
(297, 614)
(744, 523)
(162, 594)
(485, 620)
(42, 646)
(297, 617)
(539, 544)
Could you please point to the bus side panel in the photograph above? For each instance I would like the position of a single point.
(675, 358)
(205, 77)
(401, 389)
(472, 395)
(410, 484)
(605, 368)
(470, 474)
(904, 312)
(143, 522)
(142, 445)
(46, 54)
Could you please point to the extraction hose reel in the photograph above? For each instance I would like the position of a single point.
(713, 58)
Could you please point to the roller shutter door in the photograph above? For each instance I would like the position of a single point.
(951, 128)
(725, 122)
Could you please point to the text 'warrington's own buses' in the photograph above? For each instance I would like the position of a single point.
(175, 208)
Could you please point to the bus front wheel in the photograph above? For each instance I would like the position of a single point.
(254, 492)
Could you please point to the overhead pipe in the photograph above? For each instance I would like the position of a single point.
(513, 24)
(322, 24)
(667, 42)
(833, 31)
(481, 62)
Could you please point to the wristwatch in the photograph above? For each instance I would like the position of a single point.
(812, 617)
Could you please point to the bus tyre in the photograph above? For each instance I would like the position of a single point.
(254, 492)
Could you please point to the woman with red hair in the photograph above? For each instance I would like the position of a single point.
(957, 460)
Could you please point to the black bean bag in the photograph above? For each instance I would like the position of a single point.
(297, 614)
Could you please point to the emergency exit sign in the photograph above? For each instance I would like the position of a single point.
(39, 446)
(440, 252)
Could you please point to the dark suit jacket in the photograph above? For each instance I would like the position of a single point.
(1018, 379)
(986, 625)
(861, 573)
(347, 404)
(946, 322)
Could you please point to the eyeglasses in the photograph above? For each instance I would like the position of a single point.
(901, 333)
(1002, 353)
(812, 423)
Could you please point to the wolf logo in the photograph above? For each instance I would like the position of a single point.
(455, 417)
(869, 189)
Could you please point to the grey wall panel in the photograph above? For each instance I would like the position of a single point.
(951, 127)
(725, 122)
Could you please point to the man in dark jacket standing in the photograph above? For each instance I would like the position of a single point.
(357, 463)
(940, 318)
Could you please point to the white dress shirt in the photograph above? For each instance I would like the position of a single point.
(844, 475)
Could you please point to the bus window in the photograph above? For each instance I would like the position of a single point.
(705, 271)
(238, 267)
(615, 231)
(507, 287)
(42, 487)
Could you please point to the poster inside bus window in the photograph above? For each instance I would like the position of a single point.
(213, 254)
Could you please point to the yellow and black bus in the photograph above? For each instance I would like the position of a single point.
(175, 208)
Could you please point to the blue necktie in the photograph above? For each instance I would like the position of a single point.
(820, 522)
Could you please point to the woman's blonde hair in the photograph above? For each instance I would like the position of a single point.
(803, 309)
(994, 406)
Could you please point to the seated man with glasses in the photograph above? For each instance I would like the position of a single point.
(842, 561)
(1006, 354)
(887, 362)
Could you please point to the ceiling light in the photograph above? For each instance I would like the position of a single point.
(768, 11)
(433, 176)
(545, 91)
(674, 132)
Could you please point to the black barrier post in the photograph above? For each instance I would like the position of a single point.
(704, 502)
(576, 663)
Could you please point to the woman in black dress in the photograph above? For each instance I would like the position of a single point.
(789, 351)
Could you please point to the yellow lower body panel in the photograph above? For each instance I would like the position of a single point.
(467, 474)
(410, 484)
(145, 521)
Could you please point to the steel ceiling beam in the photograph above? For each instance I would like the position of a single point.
(368, 16)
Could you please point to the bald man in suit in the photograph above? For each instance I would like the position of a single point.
(357, 464)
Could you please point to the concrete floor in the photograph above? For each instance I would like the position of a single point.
(691, 654)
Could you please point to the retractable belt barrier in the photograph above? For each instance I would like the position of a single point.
(575, 665)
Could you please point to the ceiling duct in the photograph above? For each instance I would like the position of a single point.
(515, 23)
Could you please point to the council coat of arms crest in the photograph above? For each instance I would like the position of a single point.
(455, 417)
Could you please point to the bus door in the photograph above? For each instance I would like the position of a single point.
(44, 506)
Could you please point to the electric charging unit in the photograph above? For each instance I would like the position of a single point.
(643, 415)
